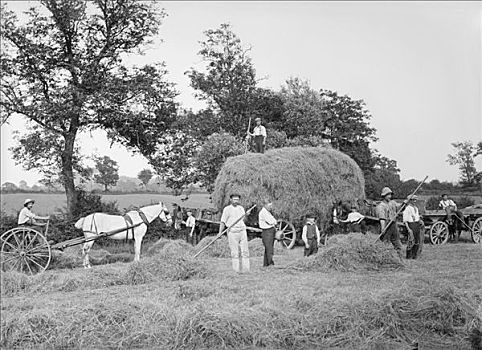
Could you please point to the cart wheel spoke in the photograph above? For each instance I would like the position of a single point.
(476, 231)
(36, 263)
(439, 233)
(25, 250)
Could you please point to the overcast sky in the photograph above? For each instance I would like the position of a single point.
(417, 65)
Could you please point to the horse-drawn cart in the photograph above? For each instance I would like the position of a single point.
(440, 229)
(26, 249)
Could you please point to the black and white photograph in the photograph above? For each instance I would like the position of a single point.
(187, 175)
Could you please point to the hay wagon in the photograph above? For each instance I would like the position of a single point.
(26, 249)
(208, 221)
(440, 230)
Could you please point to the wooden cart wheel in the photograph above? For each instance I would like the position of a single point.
(25, 250)
(286, 233)
(439, 233)
(477, 230)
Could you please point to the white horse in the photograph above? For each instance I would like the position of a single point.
(94, 224)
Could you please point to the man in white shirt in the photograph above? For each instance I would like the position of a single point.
(237, 235)
(451, 208)
(190, 225)
(259, 134)
(267, 223)
(355, 221)
(27, 217)
(411, 220)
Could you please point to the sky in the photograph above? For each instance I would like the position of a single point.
(417, 66)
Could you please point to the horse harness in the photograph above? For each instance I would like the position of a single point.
(130, 224)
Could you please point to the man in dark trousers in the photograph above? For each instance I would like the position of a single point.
(310, 236)
(411, 220)
(267, 223)
(259, 134)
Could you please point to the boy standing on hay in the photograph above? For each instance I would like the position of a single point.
(259, 134)
(311, 236)
(387, 213)
(237, 235)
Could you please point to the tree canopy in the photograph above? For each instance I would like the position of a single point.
(65, 72)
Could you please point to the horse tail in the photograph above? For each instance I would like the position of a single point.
(80, 223)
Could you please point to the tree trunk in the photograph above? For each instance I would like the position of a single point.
(68, 173)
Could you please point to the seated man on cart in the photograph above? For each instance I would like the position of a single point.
(451, 210)
(27, 218)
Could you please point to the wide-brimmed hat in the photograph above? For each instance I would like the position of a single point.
(28, 200)
(413, 197)
(386, 190)
(257, 118)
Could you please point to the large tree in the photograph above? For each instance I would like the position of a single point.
(228, 81)
(107, 172)
(65, 71)
(463, 157)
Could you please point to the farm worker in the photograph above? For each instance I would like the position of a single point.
(267, 223)
(340, 211)
(387, 213)
(259, 134)
(311, 236)
(411, 220)
(451, 208)
(27, 217)
(177, 213)
(237, 235)
(355, 220)
(190, 224)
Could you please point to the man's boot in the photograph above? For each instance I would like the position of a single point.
(235, 263)
(245, 264)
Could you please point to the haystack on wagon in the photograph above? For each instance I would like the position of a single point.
(299, 181)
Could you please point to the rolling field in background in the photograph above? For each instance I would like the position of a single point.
(46, 204)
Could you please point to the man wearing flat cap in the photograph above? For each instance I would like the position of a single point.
(27, 217)
(387, 213)
(259, 134)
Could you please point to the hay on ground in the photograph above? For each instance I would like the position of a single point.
(71, 257)
(299, 180)
(353, 252)
(173, 262)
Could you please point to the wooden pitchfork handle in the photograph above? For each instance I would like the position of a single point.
(400, 210)
(223, 232)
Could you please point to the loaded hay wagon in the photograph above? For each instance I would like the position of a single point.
(298, 180)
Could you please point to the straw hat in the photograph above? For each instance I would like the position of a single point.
(386, 190)
(28, 200)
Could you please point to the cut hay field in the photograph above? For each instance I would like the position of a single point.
(169, 302)
(49, 203)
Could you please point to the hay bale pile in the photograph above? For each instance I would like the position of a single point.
(172, 263)
(220, 248)
(353, 252)
(299, 180)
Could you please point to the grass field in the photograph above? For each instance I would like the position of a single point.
(46, 204)
(432, 301)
